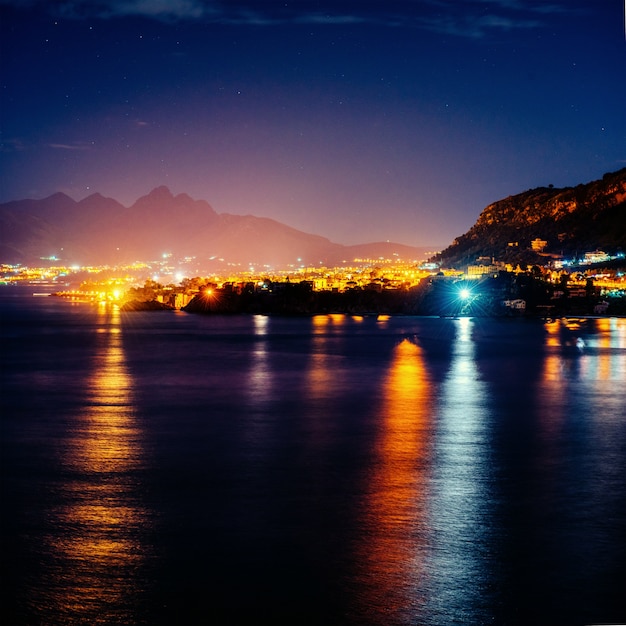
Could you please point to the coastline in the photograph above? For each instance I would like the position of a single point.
(308, 303)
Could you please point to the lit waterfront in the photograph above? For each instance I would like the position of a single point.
(113, 282)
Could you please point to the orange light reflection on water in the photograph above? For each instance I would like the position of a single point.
(392, 550)
(95, 544)
(583, 363)
(320, 371)
(324, 380)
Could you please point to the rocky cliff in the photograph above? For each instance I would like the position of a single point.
(571, 221)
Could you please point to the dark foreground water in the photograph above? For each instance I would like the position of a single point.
(165, 468)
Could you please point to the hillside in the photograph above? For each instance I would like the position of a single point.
(571, 220)
(99, 230)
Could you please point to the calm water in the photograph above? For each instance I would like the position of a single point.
(165, 468)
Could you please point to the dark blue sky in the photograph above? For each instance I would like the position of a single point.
(359, 121)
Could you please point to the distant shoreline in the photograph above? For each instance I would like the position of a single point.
(154, 306)
(363, 303)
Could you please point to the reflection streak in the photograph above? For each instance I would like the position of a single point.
(392, 555)
(459, 520)
(324, 380)
(260, 388)
(260, 378)
(97, 547)
(595, 365)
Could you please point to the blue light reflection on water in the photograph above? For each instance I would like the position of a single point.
(461, 496)
(324, 470)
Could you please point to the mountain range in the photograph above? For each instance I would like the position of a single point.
(569, 221)
(99, 230)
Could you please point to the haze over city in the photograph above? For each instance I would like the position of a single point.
(356, 121)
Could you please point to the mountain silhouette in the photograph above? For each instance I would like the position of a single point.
(98, 230)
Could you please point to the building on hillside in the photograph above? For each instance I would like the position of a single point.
(577, 292)
(518, 304)
(476, 271)
(538, 245)
(597, 256)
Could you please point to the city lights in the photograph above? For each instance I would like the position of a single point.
(480, 290)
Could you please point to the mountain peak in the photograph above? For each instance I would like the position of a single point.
(161, 192)
(59, 196)
(158, 198)
(158, 194)
(95, 197)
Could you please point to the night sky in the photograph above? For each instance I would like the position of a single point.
(356, 120)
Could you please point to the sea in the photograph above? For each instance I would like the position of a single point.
(165, 468)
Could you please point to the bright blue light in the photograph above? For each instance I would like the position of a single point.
(465, 293)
